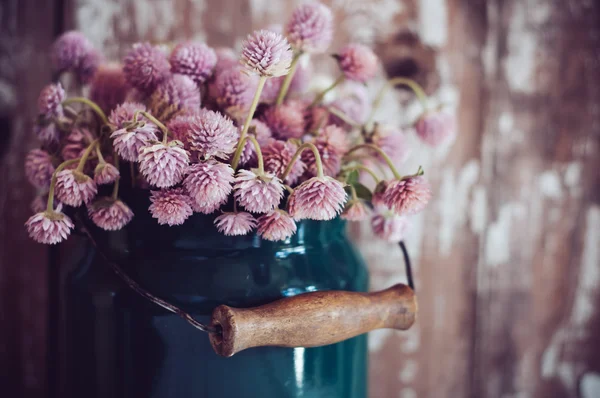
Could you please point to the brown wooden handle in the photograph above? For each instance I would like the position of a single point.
(312, 319)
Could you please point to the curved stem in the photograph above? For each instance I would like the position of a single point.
(360, 167)
(396, 81)
(322, 94)
(89, 103)
(115, 191)
(50, 206)
(153, 120)
(259, 156)
(383, 155)
(99, 154)
(285, 86)
(301, 149)
(343, 116)
(86, 155)
(353, 192)
(240, 147)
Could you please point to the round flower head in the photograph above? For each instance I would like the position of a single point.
(266, 53)
(128, 142)
(39, 168)
(124, 113)
(408, 195)
(262, 133)
(178, 92)
(235, 224)
(258, 193)
(145, 67)
(195, 60)
(75, 143)
(108, 88)
(234, 91)
(285, 120)
(208, 184)
(276, 226)
(49, 227)
(105, 173)
(50, 101)
(393, 142)
(277, 155)
(310, 29)
(355, 210)
(70, 51)
(211, 135)
(226, 58)
(109, 214)
(170, 206)
(163, 165)
(319, 198)
(358, 62)
(435, 128)
(74, 188)
(332, 143)
(390, 227)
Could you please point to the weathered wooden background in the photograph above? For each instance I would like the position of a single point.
(508, 254)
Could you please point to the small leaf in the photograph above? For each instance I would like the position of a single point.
(352, 177)
(363, 192)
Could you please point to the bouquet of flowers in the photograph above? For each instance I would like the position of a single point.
(206, 133)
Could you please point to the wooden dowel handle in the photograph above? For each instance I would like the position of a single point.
(312, 319)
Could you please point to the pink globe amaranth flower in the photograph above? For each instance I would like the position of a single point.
(393, 142)
(277, 155)
(145, 67)
(179, 126)
(319, 198)
(108, 88)
(88, 66)
(310, 29)
(109, 214)
(390, 227)
(234, 91)
(170, 206)
(276, 226)
(317, 117)
(128, 143)
(178, 91)
(211, 135)
(105, 173)
(50, 101)
(262, 133)
(209, 184)
(49, 227)
(70, 50)
(74, 188)
(407, 196)
(47, 132)
(195, 60)
(332, 143)
(355, 210)
(163, 165)
(123, 115)
(257, 192)
(75, 143)
(39, 168)
(266, 53)
(435, 128)
(358, 62)
(226, 58)
(235, 224)
(285, 120)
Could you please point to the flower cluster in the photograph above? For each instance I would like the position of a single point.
(208, 131)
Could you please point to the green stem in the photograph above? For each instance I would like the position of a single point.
(379, 151)
(319, 97)
(396, 81)
(288, 79)
(259, 156)
(50, 206)
(116, 185)
(86, 155)
(301, 149)
(353, 191)
(89, 103)
(99, 154)
(154, 120)
(341, 115)
(240, 147)
(360, 167)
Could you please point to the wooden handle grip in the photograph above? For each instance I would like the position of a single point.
(312, 319)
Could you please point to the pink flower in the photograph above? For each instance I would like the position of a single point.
(435, 128)
(226, 58)
(310, 29)
(123, 115)
(145, 67)
(393, 142)
(276, 225)
(271, 90)
(108, 87)
(128, 143)
(358, 62)
(50, 101)
(211, 135)
(89, 66)
(49, 227)
(234, 91)
(209, 184)
(332, 142)
(235, 224)
(70, 51)
(105, 173)
(109, 214)
(355, 210)
(262, 133)
(390, 227)
(39, 168)
(258, 193)
(266, 53)
(319, 198)
(178, 91)
(277, 155)
(163, 165)
(285, 120)
(408, 195)
(74, 188)
(354, 102)
(195, 60)
(75, 143)
(170, 206)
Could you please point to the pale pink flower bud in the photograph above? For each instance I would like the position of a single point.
(128, 143)
(70, 50)
(355, 210)
(145, 67)
(170, 206)
(195, 60)
(258, 193)
(276, 226)
(109, 214)
(266, 53)
(358, 62)
(235, 224)
(105, 173)
(234, 91)
(286, 120)
(434, 128)
(209, 184)
(211, 135)
(39, 168)
(178, 91)
(49, 227)
(277, 155)
(108, 87)
(74, 188)
(390, 227)
(163, 165)
(407, 196)
(319, 198)
(310, 29)
(124, 113)
(332, 142)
